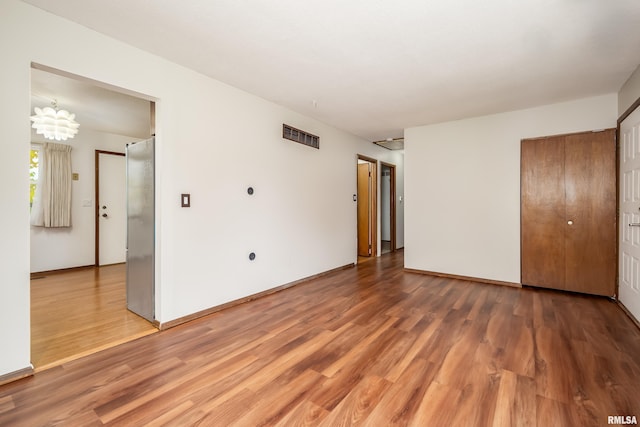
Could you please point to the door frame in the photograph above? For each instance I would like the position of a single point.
(373, 202)
(621, 119)
(97, 200)
(392, 201)
(632, 108)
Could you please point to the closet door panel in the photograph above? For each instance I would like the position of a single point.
(542, 212)
(590, 226)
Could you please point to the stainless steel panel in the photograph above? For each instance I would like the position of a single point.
(141, 228)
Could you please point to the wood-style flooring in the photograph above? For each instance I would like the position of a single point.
(79, 312)
(372, 345)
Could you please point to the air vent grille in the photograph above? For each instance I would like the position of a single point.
(297, 135)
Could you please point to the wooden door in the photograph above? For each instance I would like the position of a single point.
(364, 218)
(542, 212)
(590, 195)
(629, 268)
(568, 212)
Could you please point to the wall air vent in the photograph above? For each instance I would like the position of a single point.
(297, 135)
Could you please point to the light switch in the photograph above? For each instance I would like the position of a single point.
(186, 200)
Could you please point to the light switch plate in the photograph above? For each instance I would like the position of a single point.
(186, 200)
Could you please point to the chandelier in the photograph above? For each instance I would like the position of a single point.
(54, 123)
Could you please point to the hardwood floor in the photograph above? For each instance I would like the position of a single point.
(79, 312)
(372, 345)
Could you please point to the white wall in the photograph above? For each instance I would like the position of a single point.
(213, 141)
(463, 186)
(57, 248)
(629, 92)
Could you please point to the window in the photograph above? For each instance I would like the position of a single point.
(34, 167)
(51, 180)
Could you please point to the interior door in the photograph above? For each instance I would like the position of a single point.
(590, 194)
(629, 267)
(568, 215)
(111, 208)
(364, 218)
(542, 212)
(141, 228)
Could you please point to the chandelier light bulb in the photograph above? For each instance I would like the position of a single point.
(54, 124)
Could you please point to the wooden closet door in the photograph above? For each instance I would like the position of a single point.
(590, 195)
(568, 212)
(542, 212)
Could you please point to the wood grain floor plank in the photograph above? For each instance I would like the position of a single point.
(505, 415)
(550, 412)
(399, 404)
(358, 404)
(306, 414)
(556, 378)
(372, 345)
(524, 409)
(436, 407)
(359, 348)
(6, 404)
(411, 354)
(224, 414)
(168, 416)
(188, 383)
(520, 336)
(276, 401)
(481, 385)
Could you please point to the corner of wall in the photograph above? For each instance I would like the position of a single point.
(629, 92)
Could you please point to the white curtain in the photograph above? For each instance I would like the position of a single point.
(52, 199)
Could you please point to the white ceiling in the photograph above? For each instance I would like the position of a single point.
(95, 107)
(375, 67)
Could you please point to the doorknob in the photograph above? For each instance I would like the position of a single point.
(570, 222)
(104, 215)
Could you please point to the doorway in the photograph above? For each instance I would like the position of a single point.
(387, 208)
(78, 295)
(367, 208)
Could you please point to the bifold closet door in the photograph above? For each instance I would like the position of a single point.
(568, 212)
(542, 212)
(590, 188)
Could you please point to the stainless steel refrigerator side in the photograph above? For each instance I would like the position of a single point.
(141, 228)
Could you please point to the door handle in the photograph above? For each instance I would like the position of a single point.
(634, 224)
